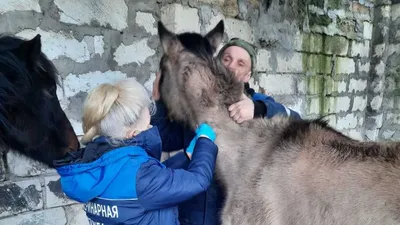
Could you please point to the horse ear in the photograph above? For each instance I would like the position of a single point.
(30, 50)
(216, 35)
(169, 41)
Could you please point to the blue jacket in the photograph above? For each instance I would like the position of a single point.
(204, 208)
(127, 184)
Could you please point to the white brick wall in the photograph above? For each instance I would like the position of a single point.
(278, 84)
(345, 65)
(360, 103)
(239, 28)
(290, 63)
(19, 5)
(54, 216)
(178, 18)
(106, 13)
(60, 44)
(357, 85)
(123, 55)
(147, 21)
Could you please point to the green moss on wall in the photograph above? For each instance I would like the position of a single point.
(317, 64)
(335, 45)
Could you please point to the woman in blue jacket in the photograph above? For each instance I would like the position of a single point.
(118, 174)
(239, 57)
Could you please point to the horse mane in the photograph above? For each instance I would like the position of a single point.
(343, 147)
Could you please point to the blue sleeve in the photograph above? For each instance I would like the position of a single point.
(178, 161)
(273, 108)
(174, 135)
(159, 187)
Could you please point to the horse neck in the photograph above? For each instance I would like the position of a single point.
(229, 134)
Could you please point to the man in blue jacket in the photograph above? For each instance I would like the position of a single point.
(239, 57)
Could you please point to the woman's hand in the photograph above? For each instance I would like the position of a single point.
(204, 130)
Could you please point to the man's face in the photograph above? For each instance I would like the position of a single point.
(237, 60)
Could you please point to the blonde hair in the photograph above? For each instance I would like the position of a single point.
(110, 110)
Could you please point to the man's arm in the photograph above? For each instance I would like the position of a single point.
(266, 106)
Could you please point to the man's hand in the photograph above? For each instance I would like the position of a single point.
(242, 110)
(156, 87)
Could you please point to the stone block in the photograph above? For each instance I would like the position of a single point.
(355, 134)
(54, 193)
(54, 216)
(376, 102)
(380, 68)
(123, 54)
(315, 64)
(334, 86)
(20, 196)
(22, 166)
(360, 49)
(230, 8)
(313, 43)
(263, 59)
(361, 12)
(365, 67)
(106, 13)
(95, 45)
(302, 85)
(336, 45)
(19, 5)
(347, 27)
(239, 29)
(278, 84)
(76, 215)
(367, 33)
(372, 135)
(345, 65)
(357, 85)
(59, 44)
(75, 83)
(360, 103)
(210, 17)
(147, 21)
(379, 49)
(338, 104)
(347, 122)
(315, 85)
(393, 118)
(315, 106)
(290, 64)
(375, 121)
(388, 134)
(178, 18)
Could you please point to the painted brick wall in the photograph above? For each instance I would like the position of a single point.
(319, 57)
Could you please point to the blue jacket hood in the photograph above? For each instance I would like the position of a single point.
(86, 173)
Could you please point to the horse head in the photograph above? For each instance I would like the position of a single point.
(32, 121)
(192, 81)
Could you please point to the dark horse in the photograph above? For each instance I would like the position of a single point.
(31, 119)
